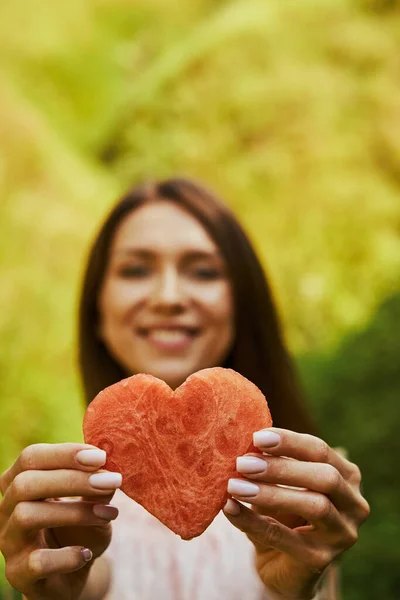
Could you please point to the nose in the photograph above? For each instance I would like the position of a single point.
(168, 295)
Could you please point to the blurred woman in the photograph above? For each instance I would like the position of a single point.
(173, 286)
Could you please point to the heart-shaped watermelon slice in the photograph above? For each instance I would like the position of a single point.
(177, 449)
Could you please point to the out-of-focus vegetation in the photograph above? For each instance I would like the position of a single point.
(355, 394)
(291, 110)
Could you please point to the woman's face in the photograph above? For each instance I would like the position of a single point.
(166, 303)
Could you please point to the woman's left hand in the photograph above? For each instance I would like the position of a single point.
(296, 532)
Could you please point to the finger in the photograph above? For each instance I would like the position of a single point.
(42, 563)
(37, 485)
(318, 477)
(301, 446)
(315, 508)
(103, 499)
(31, 517)
(263, 531)
(54, 456)
(267, 534)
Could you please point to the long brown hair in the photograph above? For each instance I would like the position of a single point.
(259, 351)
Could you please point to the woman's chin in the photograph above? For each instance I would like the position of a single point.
(172, 369)
(174, 379)
(173, 375)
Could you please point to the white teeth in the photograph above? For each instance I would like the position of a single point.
(168, 335)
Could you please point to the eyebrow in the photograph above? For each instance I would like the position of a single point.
(146, 253)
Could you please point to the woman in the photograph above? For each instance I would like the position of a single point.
(173, 286)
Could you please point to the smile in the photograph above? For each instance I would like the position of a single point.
(169, 338)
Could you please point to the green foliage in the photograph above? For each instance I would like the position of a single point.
(354, 392)
(291, 111)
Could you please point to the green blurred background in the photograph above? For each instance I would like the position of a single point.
(291, 111)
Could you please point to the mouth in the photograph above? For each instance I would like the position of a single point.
(170, 337)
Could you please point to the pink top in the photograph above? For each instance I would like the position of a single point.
(150, 562)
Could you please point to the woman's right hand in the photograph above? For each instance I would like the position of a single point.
(55, 518)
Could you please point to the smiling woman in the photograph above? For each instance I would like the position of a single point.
(165, 305)
(173, 286)
(172, 253)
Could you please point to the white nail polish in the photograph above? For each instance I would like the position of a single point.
(87, 554)
(250, 464)
(232, 508)
(239, 487)
(105, 511)
(105, 481)
(266, 439)
(92, 457)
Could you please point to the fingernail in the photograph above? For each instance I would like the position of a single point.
(105, 481)
(232, 508)
(91, 457)
(105, 511)
(87, 554)
(266, 439)
(239, 487)
(250, 464)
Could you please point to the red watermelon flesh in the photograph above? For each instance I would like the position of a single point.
(177, 450)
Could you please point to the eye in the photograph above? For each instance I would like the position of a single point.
(134, 271)
(207, 273)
